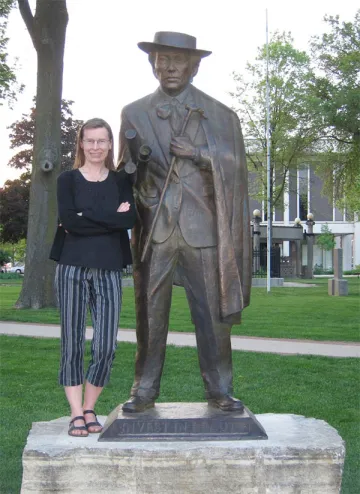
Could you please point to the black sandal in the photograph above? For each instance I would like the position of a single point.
(92, 424)
(73, 427)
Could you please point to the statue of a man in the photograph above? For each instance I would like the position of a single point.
(201, 237)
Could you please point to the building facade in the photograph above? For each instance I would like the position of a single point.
(303, 195)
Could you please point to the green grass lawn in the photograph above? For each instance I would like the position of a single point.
(308, 313)
(324, 388)
(11, 281)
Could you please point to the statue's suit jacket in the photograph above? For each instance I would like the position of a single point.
(210, 205)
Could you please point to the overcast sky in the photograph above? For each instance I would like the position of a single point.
(104, 69)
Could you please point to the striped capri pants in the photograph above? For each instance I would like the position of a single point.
(77, 289)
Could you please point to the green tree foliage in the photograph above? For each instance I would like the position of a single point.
(16, 251)
(14, 204)
(4, 257)
(8, 86)
(325, 240)
(336, 90)
(22, 136)
(291, 112)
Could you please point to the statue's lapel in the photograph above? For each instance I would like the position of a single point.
(203, 121)
(161, 128)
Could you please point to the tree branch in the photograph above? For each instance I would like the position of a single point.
(331, 136)
(282, 187)
(28, 18)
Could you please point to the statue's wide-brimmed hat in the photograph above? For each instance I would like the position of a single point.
(168, 40)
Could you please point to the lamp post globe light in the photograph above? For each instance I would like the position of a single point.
(257, 221)
(257, 213)
(310, 223)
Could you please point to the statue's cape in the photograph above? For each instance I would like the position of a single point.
(226, 146)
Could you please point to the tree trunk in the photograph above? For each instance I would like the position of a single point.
(47, 29)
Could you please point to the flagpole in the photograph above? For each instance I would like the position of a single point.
(268, 168)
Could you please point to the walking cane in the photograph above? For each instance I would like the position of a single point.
(190, 111)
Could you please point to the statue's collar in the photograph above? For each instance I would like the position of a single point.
(180, 97)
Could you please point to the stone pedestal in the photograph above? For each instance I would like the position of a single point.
(301, 455)
(338, 286)
(262, 282)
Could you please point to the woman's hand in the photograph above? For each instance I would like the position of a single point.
(124, 206)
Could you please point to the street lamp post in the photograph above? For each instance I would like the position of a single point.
(256, 240)
(310, 245)
(297, 224)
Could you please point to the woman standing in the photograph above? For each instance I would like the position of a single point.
(96, 209)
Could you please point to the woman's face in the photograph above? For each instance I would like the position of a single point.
(96, 145)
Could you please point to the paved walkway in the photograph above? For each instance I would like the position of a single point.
(293, 284)
(250, 344)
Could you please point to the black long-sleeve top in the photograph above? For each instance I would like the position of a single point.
(98, 238)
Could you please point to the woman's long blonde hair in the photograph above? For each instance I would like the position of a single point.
(94, 123)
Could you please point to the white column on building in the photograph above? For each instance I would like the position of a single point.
(356, 243)
(334, 208)
(298, 193)
(308, 190)
(286, 243)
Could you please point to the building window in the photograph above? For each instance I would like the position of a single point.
(303, 207)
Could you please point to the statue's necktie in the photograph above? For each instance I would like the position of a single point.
(172, 111)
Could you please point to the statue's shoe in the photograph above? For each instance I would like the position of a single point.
(227, 403)
(136, 404)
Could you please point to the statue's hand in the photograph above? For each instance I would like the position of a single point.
(182, 147)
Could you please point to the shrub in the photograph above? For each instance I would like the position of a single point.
(10, 276)
(318, 269)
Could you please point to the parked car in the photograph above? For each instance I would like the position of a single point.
(18, 268)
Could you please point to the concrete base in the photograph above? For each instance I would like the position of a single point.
(263, 282)
(127, 282)
(302, 455)
(338, 288)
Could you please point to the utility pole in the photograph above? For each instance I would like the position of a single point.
(268, 167)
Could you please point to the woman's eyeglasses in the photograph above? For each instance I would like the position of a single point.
(102, 143)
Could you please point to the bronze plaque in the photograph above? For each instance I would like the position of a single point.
(182, 422)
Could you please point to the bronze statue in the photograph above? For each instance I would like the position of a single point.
(193, 225)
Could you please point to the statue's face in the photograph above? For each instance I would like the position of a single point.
(174, 70)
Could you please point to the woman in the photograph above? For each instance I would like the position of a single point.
(96, 209)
